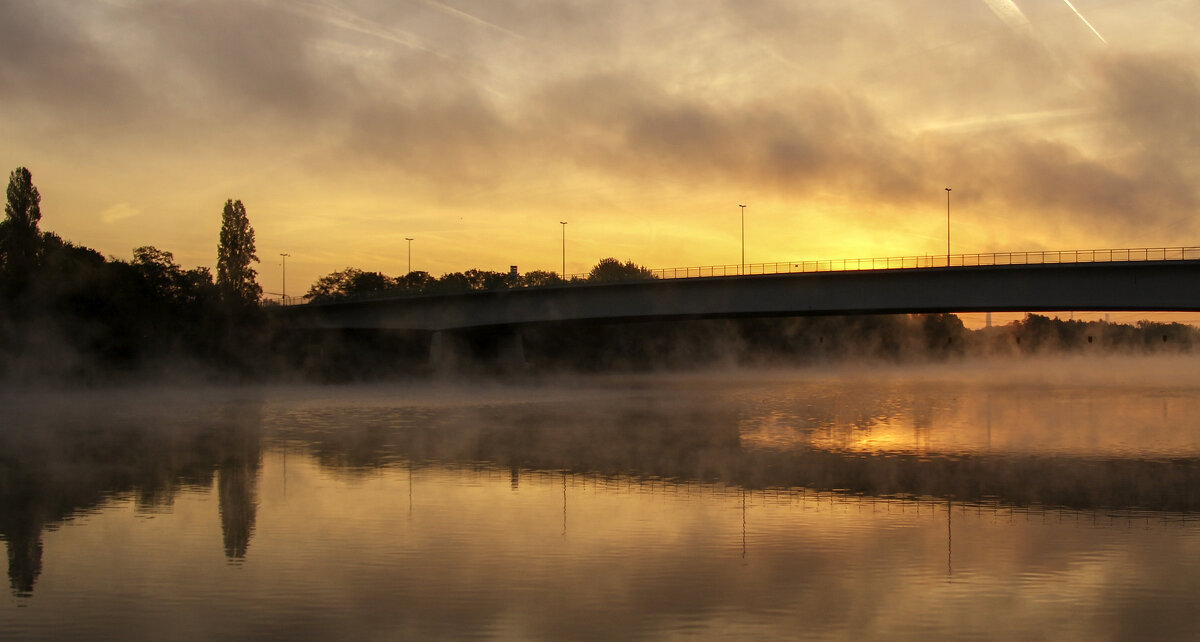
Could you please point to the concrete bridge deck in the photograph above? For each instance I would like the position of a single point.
(1157, 285)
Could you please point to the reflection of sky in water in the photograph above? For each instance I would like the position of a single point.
(968, 419)
(753, 506)
(427, 550)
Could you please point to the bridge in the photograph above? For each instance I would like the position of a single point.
(1159, 279)
(1162, 279)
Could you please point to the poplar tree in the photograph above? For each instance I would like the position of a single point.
(20, 240)
(236, 279)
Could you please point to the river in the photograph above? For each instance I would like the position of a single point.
(1046, 499)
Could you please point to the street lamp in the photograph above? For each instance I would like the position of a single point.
(564, 249)
(284, 276)
(947, 227)
(409, 239)
(743, 269)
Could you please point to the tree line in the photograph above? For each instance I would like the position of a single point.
(356, 283)
(67, 310)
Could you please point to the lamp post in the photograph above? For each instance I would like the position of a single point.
(564, 249)
(409, 239)
(743, 267)
(284, 255)
(947, 227)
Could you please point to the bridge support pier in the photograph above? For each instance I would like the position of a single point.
(447, 351)
(501, 348)
(510, 353)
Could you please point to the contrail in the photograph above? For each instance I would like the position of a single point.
(345, 20)
(1009, 12)
(1089, 25)
(445, 8)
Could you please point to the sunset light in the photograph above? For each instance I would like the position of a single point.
(600, 319)
(347, 127)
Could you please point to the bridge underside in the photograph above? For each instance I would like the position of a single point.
(1117, 286)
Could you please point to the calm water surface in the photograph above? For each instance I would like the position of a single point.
(1052, 500)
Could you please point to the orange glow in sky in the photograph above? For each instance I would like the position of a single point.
(475, 126)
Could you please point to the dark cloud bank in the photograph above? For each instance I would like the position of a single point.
(435, 102)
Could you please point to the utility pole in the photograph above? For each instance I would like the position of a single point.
(409, 239)
(947, 227)
(743, 270)
(284, 276)
(564, 249)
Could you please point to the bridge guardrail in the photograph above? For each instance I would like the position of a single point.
(274, 298)
(931, 261)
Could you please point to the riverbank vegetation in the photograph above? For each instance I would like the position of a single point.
(352, 283)
(68, 313)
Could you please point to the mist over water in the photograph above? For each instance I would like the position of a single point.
(982, 498)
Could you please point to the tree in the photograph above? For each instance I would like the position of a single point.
(64, 265)
(368, 282)
(20, 240)
(236, 279)
(334, 285)
(540, 278)
(610, 269)
(486, 279)
(451, 283)
(349, 282)
(158, 269)
(415, 282)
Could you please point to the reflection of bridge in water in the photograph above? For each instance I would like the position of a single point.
(840, 501)
(764, 513)
(678, 448)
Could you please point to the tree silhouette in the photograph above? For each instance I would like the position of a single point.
(487, 279)
(236, 279)
(610, 269)
(349, 282)
(415, 282)
(20, 240)
(540, 278)
(159, 270)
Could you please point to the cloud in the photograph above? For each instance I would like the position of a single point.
(870, 105)
(457, 137)
(239, 58)
(50, 65)
(791, 143)
(1137, 174)
(1154, 100)
(119, 212)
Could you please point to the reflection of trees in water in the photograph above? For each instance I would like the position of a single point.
(235, 486)
(23, 533)
(689, 440)
(236, 481)
(60, 458)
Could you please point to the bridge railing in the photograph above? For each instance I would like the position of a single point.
(277, 299)
(932, 261)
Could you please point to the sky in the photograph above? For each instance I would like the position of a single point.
(475, 127)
